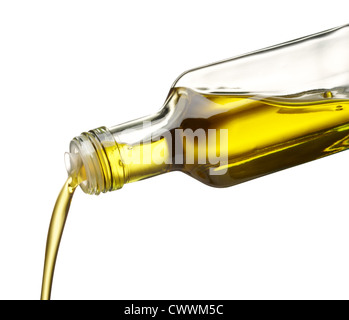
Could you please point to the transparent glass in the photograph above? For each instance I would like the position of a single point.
(234, 120)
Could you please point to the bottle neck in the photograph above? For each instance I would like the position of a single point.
(122, 154)
(136, 150)
(97, 157)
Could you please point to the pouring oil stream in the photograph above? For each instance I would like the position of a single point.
(58, 219)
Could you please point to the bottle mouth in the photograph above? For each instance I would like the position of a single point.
(73, 163)
(94, 158)
(75, 168)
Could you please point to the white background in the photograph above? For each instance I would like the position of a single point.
(71, 66)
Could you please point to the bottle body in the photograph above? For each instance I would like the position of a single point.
(236, 120)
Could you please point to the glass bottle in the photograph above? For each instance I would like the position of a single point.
(231, 121)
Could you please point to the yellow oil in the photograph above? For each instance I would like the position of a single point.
(59, 216)
(265, 134)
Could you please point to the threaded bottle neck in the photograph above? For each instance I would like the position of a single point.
(101, 161)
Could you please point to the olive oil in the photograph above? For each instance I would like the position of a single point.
(222, 124)
(59, 217)
(263, 135)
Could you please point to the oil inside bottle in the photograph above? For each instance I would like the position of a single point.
(265, 133)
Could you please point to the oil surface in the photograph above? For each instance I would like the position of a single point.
(59, 216)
